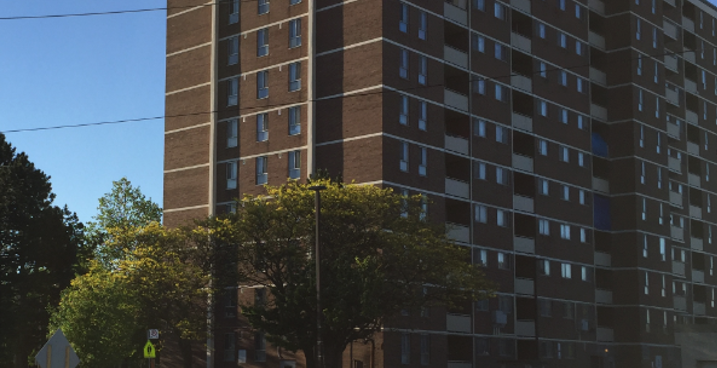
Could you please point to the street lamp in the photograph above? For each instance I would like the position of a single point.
(317, 257)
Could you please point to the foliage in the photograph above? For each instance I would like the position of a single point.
(124, 207)
(379, 255)
(39, 248)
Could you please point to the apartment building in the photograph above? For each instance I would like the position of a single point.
(567, 143)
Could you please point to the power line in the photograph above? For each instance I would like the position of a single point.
(238, 110)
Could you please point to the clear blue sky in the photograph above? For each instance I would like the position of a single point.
(84, 70)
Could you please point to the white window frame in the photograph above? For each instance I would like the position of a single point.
(262, 84)
(262, 127)
(294, 33)
(295, 120)
(262, 42)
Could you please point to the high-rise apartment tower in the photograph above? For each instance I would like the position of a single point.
(567, 143)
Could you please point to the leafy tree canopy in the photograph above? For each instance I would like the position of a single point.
(380, 256)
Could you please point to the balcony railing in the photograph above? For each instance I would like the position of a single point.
(455, 99)
(521, 42)
(458, 322)
(455, 10)
(458, 232)
(457, 188)
(522, 122)
(523, 163)
(455, 56)
(456, 144)
(522, 203)
(525, 245)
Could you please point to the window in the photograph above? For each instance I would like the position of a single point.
(654, 38)
(581, 196)
(563, 78)
(499, 11)
(659, 178)
(234, 12)
(403, 115)
(642, 173)
(404, 156)
(543, 147)
(422, 70)
(403, 21)
(501, 93)
(424, 162)
(480, 128)
(578, 47)
(500, 218)
(637, 29)
(657, 146)
(294, 164)
(579, 85)
(566, 270)
(644, 246)
(423, 117)
(479, 43)
(232, 133)
(565, 231)
(295, 76)
(233, 50)
(294, 2)
(657, 107)
(500, 52)
(295, 33)
(656, 75)
(639, 65)
(647, 283)
(501, 176)
(568, 311)
(261, 170)
(262, 84)
(663, 250)
(262, 127)
(260, 347)
(263, 6)
(503, 261)
(543, 108)
(644, 209)
(479, 4)
(642, 136)
(544, 187)
(581, 159)
(582, 122)
(564, 154)
(295, 120)
(403, 69)
(423, 25)
(479, 86)
(543, 70)
(425, 349)
(563, 116)
(545, 267)
(578, 11)
(544, 227)
(481, 214)
(541, 30)
(482, 260)
(481, 171)
(424, 207)
(562, 40)
(583, 235)
(405, 348)
(583, 273)
(566, 193)
(262, 42)
(561, 5)
(501, 136)
(233, 92)
(232, 175)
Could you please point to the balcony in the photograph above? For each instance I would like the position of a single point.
(673, 130)
(598, 112)
(674, 164)
(678, 268)
(698, 308)
(677, 233)
(672, 96)
(458, 322)
(605, 334)
(525, 328)
(689, 55)
(459, 233)
(456, 144)
(522, 5)
(457, 188)
(603, 259)
(459, 364)
(601, 185)
(456, 11)
(524, 286)
(696, 212)
(522, 122)
(671, 62)
(455, 56)
(603, 296)
(525, 245)
(454, 99)
(693, 179)
(597, 6)
(691, 116)
(596, 40)
(523, 163)
(693, 148)
(676, 199)
(521, 82)
(521, 42)
(696, 243)
(521, 203)
(679, 303)
(688, 24)
(690, 86)
(698, 276)
(671, 2)
(670, 29)
(598, 76)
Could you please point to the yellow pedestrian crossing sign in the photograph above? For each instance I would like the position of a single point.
(149, 351)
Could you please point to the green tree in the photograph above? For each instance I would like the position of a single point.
(380, 254)
(39, 248)
(124, 207)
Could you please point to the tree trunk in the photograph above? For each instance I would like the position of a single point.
(333, 358)
(185, 348)
(310, 356)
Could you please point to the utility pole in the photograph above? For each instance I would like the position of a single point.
(317, 258)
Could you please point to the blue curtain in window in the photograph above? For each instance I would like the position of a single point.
(601, 207)
(599, 145)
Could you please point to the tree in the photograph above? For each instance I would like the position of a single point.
(39, 248)
(380, 256)
(124, 207)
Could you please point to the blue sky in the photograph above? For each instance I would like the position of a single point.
(85, 70)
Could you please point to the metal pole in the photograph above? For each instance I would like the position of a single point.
(317, 258)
